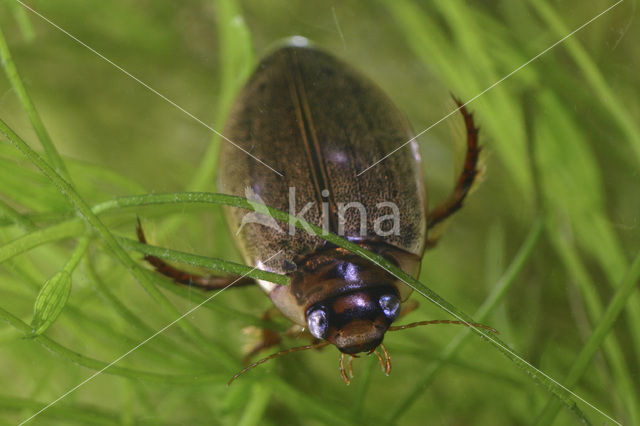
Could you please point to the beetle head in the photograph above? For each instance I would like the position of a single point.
(355, 321)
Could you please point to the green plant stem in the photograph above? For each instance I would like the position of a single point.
(309, 406)
(94, 364)
(611, 347)
(28, 106)
(579, 366)
(202, 261)
(488, 306)
(592, 74)
(82, 413)
(61, 231)
(256, 406)
(547, 382)
(431, 42)
(76, 319)
(77, 255)
(236, 60)
(472, 366)
(198, 297)
(74, 228)
(156, 199)
(47, 218)
(21, 17)
(104, 336)
(17, 218)
(133, 320)
(85, 212)
(363, 387)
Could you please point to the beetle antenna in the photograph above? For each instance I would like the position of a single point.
(419, 323)
(276, 355)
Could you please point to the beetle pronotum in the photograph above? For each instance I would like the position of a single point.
(319, 123)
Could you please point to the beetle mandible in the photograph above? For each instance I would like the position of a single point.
(319, 123)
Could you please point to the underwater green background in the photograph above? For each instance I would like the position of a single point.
(546, 249)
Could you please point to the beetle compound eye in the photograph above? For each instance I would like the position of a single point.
(390, 305)
(317, 322)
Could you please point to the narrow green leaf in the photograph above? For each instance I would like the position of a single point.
(256, 406)
(54, 294)
(237, 60)
(619, 112)
(24, 23)
(200, 197)
(213, 264)
(50, 302)
(108, 367)
(309, 405)
(17, 218)
(80, 413)
(28, 106)
(60, 231)
(572, 187)
(498, 293)
(83, 210)
(431, 42)
(620, 299)
(612, 347)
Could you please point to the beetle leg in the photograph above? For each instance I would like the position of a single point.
(297, 331)
(272, 338)
(350, 363)
(269, 337)
(210, 282)
(387, 358)
(408, 307)
(343, 372)
(466, 180)
(382, 365)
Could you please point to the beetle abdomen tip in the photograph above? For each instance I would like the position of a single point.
(297, 41)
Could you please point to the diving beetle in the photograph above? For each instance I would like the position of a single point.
(319, 123)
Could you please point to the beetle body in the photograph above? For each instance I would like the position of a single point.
(319, 122)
